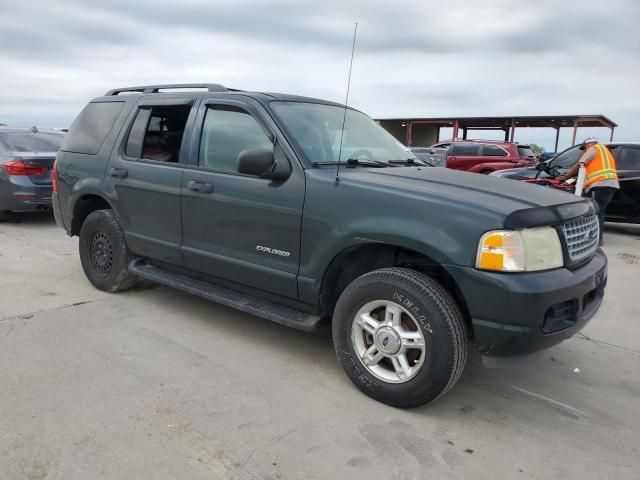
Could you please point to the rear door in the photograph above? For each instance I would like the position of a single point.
(625, 204)
(463, 155)
(145, 174)
(241, 228)
(496, 155)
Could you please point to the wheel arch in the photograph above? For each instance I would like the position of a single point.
(83, 206)
(362, 258)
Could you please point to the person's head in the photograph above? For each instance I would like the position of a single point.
(589, 142)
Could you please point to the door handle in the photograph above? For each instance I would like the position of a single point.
(119, 173)
(200, 187)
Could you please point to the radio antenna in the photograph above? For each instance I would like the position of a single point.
(346, 101)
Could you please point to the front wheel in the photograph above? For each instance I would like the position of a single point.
(400, 337)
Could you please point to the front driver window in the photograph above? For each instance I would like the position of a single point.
(226, 132)
(628, 158)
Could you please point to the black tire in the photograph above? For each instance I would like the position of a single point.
(4, 215)
(439, 319)
(103, 253)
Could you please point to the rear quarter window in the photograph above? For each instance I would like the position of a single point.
(90, 129)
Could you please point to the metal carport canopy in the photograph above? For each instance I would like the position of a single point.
(507, 124)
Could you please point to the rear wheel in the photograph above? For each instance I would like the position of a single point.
(4, 215)
(103, 253)
(400, 337)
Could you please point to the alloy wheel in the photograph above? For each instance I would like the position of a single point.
(388, 341)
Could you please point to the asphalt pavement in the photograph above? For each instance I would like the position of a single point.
(156, 384)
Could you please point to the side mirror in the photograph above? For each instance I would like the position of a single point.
(261, 163)
(541, 166)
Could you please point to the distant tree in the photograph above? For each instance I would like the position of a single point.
(537, 149)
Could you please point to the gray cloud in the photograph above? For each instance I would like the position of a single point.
(421, 58)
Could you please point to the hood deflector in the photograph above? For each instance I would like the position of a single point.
(552, 215)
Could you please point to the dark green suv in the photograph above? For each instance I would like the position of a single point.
(306, 213)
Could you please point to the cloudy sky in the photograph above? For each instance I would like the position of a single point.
(419, 58)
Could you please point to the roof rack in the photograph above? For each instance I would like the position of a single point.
(211, 87)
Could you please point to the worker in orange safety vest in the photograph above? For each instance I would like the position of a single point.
(601, 179)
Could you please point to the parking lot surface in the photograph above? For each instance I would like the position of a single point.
(157, 384)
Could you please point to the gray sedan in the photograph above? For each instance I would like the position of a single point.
(26, 161)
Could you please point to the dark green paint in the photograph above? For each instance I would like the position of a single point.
(437, 212)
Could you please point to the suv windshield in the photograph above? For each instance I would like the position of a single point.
(316, 128)
(31, 142)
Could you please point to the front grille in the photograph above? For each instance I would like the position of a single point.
(582, 237)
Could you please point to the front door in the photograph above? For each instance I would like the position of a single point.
(241, 228)
(145, 175)
(463, 155)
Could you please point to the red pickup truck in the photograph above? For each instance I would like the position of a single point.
(486, 156)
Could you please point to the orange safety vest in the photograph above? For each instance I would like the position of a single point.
(601, 167)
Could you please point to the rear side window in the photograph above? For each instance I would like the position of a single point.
(465, 149)
(526, 152)
(90, 129)
(628, 158)
(227, 132)
(157, 132)
(493, 151)
(31, 142)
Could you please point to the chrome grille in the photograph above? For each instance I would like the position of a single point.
(582, 237)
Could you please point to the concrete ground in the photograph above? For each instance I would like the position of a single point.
(157, 384)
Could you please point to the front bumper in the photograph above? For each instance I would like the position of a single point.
(519, 314)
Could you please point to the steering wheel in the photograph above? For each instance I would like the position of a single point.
(363, 152)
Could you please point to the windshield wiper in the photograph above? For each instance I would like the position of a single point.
(411, 161)
(352, 163)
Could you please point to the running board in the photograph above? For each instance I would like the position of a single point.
(245, 303)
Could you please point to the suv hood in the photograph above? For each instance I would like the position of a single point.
(502, 196)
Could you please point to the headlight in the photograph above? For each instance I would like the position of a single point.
(528, 250)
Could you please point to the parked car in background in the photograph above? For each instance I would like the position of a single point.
(625, 205)
(485, 156)
(435, 157)
(544, 156)
(26, 161)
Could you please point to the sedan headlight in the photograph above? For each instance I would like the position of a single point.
(527, 250)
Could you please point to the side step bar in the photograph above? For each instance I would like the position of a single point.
(261, 308)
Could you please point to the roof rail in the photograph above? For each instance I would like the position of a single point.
(211, 87)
